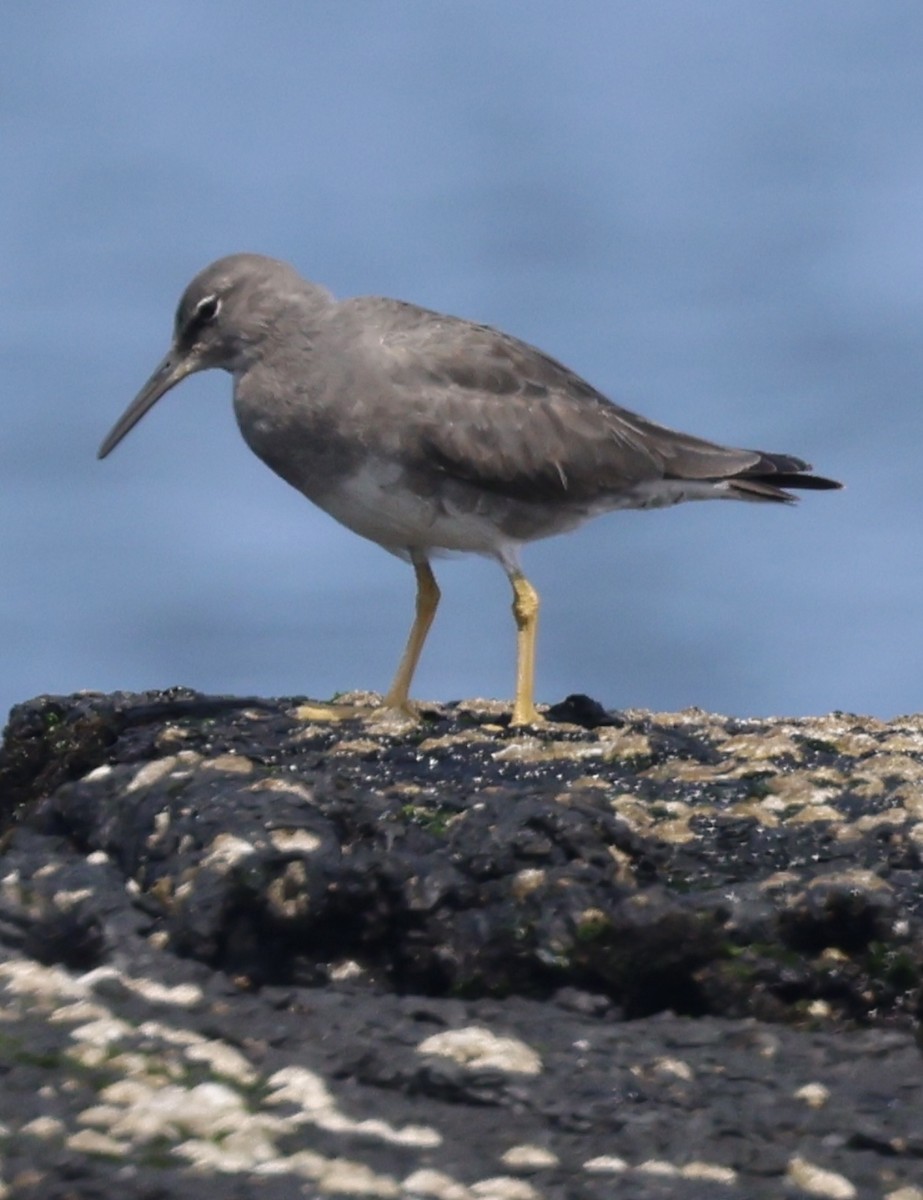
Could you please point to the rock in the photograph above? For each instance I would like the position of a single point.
(236, 944)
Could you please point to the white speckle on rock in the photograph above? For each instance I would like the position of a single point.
(287, 787)
(51, 984)
(134, 1109)
(89, 1055)
(135, 1064)
(182, 995)
(421, 1136)
(226, 851)
(102, 1032)
(672, 1067)
(347, 969)
(44, 1127)
(11, 887)
(345, 1178)
(520, 749)
(223, 1060)
(80, 1010)
(503, 1187)
(298, 1086)
(303, 1162)
(247, 1151)
(815, 1095)
(99, 1114)
(152, 773)
(101, 982)
(529, 1157)
(234, 764)
(109, 984)
(657, 1166)
(477, 1048)
(288, 895)
(88, 1141)
(294, 841)
(817, 1181)
(711, 1171)
(98, 773)
(527, 881)
(251, 1144)
(212, 1156)
(174, 1035)
(66, 899)
(435, 1184)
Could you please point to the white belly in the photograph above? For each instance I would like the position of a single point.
(373, 504)
(376, 503)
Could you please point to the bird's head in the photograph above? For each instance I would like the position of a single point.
(225, 317)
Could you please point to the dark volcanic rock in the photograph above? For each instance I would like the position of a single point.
(664, 955)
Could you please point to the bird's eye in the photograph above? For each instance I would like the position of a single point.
(206, 310)
(189, 328)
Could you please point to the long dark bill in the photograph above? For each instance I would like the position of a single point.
(168, 374)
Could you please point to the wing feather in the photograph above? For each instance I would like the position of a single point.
(493, 411)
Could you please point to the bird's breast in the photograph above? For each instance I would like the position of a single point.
(308, 445)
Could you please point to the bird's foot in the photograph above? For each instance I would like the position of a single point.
(526, 716)
(394, 714)
(329, 712)
(362, 706)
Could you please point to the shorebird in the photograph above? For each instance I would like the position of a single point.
(429, 434)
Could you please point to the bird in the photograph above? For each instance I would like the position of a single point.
(431, 434)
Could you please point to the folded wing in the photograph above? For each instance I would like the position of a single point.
(500, 414)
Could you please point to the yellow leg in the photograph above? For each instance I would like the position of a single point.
(398, 696)
(525, 610)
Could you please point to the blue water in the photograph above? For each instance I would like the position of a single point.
(714, 212)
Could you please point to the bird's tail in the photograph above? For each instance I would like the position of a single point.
(769, 478)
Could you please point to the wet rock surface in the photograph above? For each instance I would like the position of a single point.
(650, 955)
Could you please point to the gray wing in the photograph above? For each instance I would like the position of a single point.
(496, 412)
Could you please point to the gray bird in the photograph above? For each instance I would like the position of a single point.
(427, 433)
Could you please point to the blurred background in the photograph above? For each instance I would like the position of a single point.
(713, 211)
